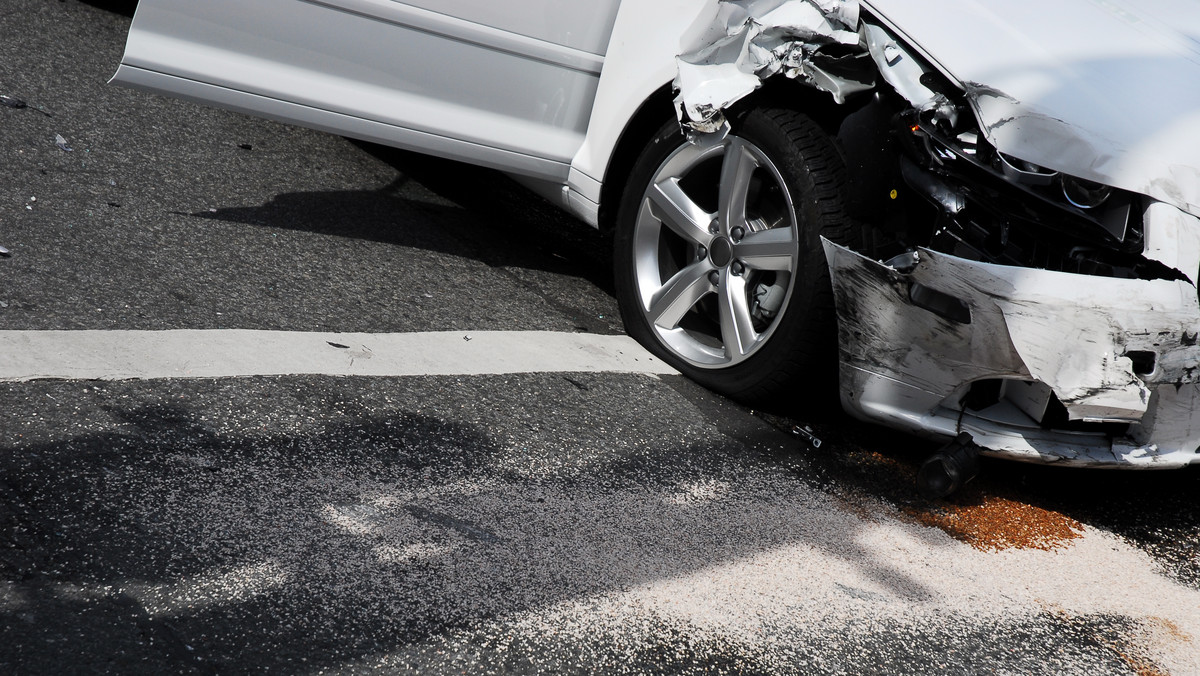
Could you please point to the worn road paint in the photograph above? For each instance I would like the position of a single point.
(218, 353)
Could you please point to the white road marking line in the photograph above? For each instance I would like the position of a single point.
(220, 353)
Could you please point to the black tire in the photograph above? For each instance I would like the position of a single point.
(728, 339)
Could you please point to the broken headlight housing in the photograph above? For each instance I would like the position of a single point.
(1084, 194)
(997, 208)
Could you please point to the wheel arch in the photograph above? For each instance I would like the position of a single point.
(652, 114)
(659, 107)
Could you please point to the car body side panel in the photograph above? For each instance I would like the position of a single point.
(640, 60)
(337, 123)
(435, 79)
(580, 25)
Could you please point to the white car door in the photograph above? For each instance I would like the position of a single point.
(503, 84)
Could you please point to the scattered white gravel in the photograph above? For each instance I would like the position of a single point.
(212, 588)
(475, 537)
(758, 566)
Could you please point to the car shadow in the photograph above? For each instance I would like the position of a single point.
(446, 207)
(122, 7)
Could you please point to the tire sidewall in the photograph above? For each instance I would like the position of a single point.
(805, 336)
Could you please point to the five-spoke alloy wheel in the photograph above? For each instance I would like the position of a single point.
(719, 264)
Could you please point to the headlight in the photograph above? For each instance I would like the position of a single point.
(1084, 194)
(1020, 171)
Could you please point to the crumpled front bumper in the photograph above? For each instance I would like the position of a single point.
(917, 343)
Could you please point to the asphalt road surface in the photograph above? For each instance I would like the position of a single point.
(343, 457)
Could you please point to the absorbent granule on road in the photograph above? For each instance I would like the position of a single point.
(519, 524)
(896, 597)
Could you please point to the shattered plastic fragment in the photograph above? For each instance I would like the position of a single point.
(4, 252)
(62, 143)
(901, 69)
(807, 434)
(737, 44)
(10, 102)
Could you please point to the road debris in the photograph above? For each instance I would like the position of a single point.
(4, 252)
(17, 104)
(805, 432)
(62, 143)
(949, 469)
(994, 523)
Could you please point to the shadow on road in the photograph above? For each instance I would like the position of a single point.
(122, 7)
(308, 522)
(447, 207)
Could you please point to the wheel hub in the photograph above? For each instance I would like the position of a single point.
(720, 252)
(699, 265)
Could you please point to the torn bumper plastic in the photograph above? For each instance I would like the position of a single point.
(1036, 365)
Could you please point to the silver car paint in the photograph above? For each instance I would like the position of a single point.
(584, 26)
(379, 69)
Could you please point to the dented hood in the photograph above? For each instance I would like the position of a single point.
(1102, 89)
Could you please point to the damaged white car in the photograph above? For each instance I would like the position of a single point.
(991, 213)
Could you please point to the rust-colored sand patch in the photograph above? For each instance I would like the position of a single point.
(1170, 629)
(882, 460)
(993, 523)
